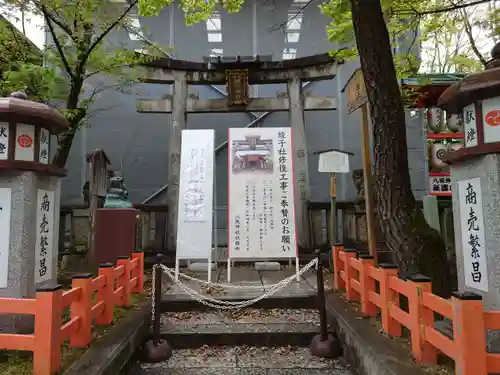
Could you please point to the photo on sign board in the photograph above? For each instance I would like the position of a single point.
(252, 154)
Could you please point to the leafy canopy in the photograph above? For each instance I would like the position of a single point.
(451, 32)
(77, 59)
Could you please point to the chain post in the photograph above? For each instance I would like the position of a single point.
(321, 297)
(157, 292)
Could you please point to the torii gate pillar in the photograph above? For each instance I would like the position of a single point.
(300, 165)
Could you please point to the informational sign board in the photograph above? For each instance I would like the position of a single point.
(5, 208)
(356, 91)
(472, 228)
(25, 142)
(196, 185)
(261, 194)
(44, 246)
(439, 185)
(470, 127)
(333, 162)
(491, 120)
(4, 141)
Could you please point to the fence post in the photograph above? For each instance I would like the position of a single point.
(367, 285)
(81, 309)
(48, 318)
(124, 280)
(106, 293)
(350, 294)
(423, 352)
(338, 283)
(390, 326)
(138, 271)
(469, 334)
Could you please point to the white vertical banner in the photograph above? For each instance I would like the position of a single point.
(472, 228)
(194, 225)
(261, 194)
(44, 246)
(5, 209)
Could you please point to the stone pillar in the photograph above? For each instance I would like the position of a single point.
(29, 200)
(301, 170)
(475, 174)
(179, 120)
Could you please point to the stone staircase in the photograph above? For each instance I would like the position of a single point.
(250, 341)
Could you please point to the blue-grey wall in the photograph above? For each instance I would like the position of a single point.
(139, 142)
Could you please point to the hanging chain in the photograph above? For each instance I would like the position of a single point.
(233, 305)
(153, 290)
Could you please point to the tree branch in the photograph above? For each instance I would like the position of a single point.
(472, 42)
(57, 43)
(99, 39)
(412, 10)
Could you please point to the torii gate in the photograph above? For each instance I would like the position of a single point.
(237, 75)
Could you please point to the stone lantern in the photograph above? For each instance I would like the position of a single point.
(29, 196)
(475, 174)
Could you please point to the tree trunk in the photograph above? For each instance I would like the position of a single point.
(415, 245)
(63, 149)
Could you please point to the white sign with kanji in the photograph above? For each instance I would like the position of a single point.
(4, 140)
(472, 228)
(5, 207)
(470, 127)
(261, 194)
(44, 246)
(196, 189)
(439, 185)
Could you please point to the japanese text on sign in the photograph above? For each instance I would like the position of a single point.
(43, 153)
(196, 186)
(472, 228)
(44, 235)
(194, 195)
(4, 141)
(261, 194)
(439, 185)
(470, 128)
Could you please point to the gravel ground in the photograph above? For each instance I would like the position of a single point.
(248, 357)
(247, 315)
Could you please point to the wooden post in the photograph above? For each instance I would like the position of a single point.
(357, 98)
(179, 121)
(333, 210)
(106, 294)
(301, 170)
(367, 172)
(469, 334)
(47, 350)
(124, 280)
(82, 309)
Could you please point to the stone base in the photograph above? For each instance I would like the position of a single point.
(200, 267)
(267, 266)
(329, 348)
(156, 353)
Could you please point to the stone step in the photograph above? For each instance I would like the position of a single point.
(243, 360)
(259, 327)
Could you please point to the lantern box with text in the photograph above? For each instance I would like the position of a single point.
(26, 135)
(30, 189)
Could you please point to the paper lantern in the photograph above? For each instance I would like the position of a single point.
(454, 123)
(438, 152)
(435, 119)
